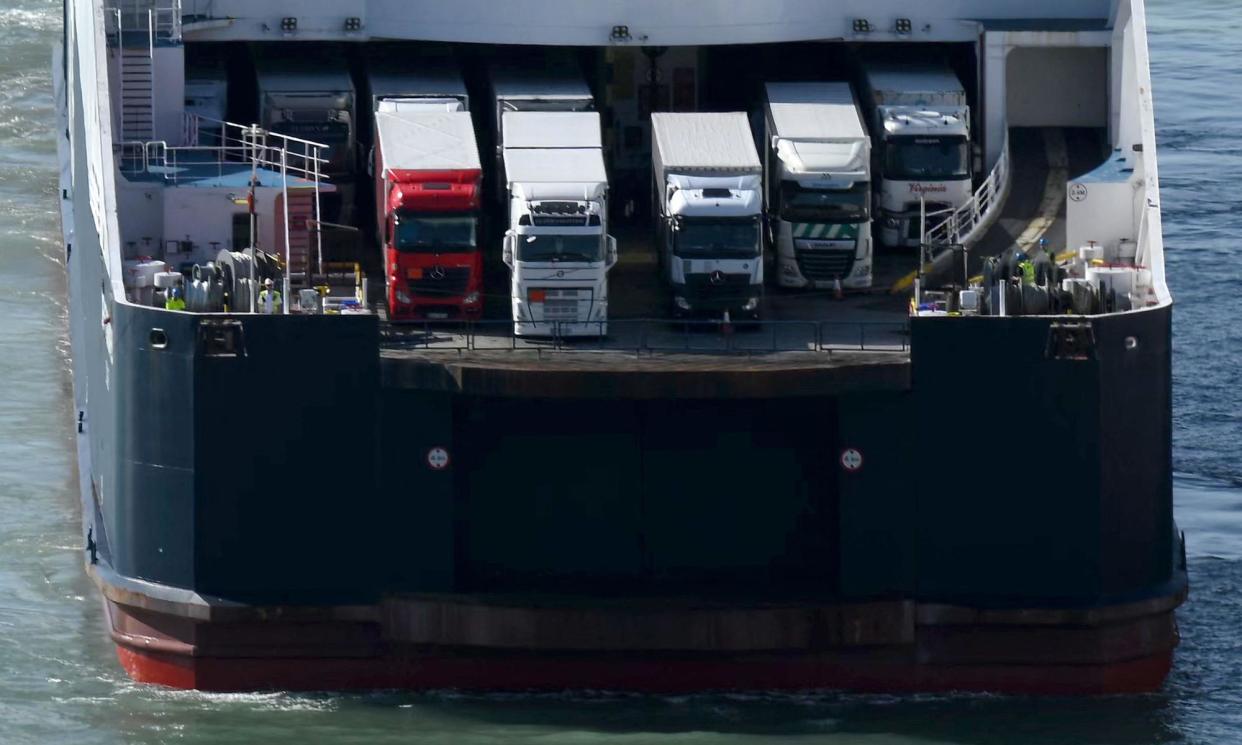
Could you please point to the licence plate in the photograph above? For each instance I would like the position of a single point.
(560, 309)
(437, 316)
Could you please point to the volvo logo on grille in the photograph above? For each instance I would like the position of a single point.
(717, 277)
(436, 272)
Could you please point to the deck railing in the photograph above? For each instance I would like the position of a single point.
(143, 22)
(965, 224)
(233, 144)
(651, 336)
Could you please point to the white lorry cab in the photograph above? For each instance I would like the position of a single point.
(557, 246)
(708, 180)
(817, 159)
(920, 128)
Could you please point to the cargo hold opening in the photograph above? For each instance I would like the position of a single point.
(628, 83)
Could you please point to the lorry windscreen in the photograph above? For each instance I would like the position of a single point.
(850, 205)
(927, 158)
(551, 247)
(735, 238)
(434, 234)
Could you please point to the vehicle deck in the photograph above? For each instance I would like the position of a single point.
(810, 338)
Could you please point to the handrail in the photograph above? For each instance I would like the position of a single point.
(239, 145)
(965, 224)
(162, 19)
(167, 23)
(226, 125)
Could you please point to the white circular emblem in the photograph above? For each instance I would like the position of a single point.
(1077, 192)
(437, 458)
(851, 459)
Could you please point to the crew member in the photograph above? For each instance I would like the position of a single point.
(174, 301)
(269, 298)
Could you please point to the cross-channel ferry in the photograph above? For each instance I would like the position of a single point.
(640, 346)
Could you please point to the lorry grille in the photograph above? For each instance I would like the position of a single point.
(453, 283)
(729, 289)
(728, 282)
(824, 264)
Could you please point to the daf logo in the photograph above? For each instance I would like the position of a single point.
(437, 272)
(716, 277)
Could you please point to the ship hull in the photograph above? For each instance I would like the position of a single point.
(684, 574)
(876, 647)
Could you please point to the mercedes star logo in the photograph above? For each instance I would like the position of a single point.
(716, 277)
(437, 272)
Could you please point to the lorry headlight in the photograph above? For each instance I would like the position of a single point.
(751, 304)
(404, 298)
(681, 302)
(471, 299)
(789, 269)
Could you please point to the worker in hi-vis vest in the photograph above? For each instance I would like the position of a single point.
(269, 298)
(174, 300)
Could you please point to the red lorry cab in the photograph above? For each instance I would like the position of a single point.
(429, 217)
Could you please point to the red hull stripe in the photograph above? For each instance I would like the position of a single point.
(640, 675)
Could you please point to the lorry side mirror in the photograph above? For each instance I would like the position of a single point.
(611, 259)
(507, 253)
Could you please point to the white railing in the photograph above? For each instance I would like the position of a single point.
(239, 147)
(166, 19)
(161, 18)
(965, 224)
(237, 144)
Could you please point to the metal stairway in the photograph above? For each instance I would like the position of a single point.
(300, 203)
(137, 94)
(137, 26)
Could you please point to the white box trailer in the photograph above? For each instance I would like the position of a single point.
(526, 89)
(522, 89)
(817, 157)
(705, 144)
(707, 182)
(557, 246)
(920, 130)
(923, 86)
(435, 86)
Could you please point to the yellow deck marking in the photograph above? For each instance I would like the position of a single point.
(1054, 189)
(1054, 194)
